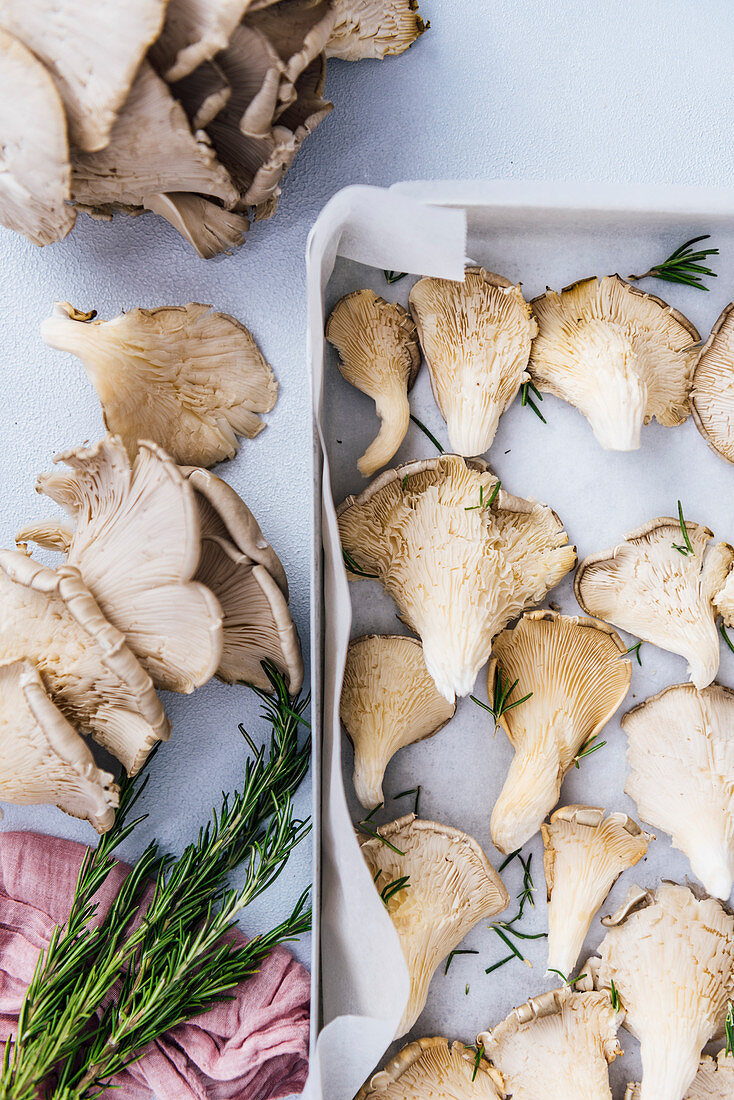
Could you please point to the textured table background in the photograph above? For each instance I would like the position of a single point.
(617, 92)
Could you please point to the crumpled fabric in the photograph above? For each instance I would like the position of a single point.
(253, 1047)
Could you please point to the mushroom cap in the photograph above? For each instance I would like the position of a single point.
(714, 1080)
(646, 586)
(578, 675)
(584, 856)
(556, 1046)
(254, 71)
(203, 94)
(193, 32)
(428, 1069)
(43, 758)
(671, 957)
(452, 885)
(210, 229)
(458, 567)
(476, 338)
(681, 761)
(50, 619)
(379, 355)
(620, 356)
(374, 28)
(136, 544)
(388, 701)
(712, 396)
(186, 377)
(36, 177)
(299, 31)
(92, 49)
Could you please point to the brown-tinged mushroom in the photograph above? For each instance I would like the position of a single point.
(203, 94)
(712, 396)
(194, 31)
(209, 228)
(429, 1069)
(374, 28)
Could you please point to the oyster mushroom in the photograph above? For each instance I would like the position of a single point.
(476, 338)
(36, 176)
(661, 593)
(671, 958)
(557, 1046)
(43, 758)
(388, 701)
(379, 355)
(576, 671)
(712, 396)
(428, 1069)
(254, 71)
(374, 28)
(584, 856)
(203, 94)
(136, 544)
(681, 761)
(620, 356)
(50, 619)
(185, 377)
(298, 30)
(450, 887)
(459, 556)
(194, 31)
(206, 226)
(714, 1080)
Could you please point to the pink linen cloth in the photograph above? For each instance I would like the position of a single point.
(254, 1047)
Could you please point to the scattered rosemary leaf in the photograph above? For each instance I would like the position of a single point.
(636, 650)
(587, 748)
(506, 940)
(484, 504)
(526, 399)
(729, 1029)
(463, 951)
(394, 276)
(413, 790)
(508, 859)
(395, 887)
(687, 548)
(466, 990)
(565, 980)
(501, 696)
(354, 568)
(366, 828)
(726, 638)
(477, 1060)
(684, 265)
(497, 965)
(615, 997)
(419, 424)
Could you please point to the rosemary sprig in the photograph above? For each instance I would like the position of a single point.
(354, 568)
(413, 790)
(726, 637)
(457, 951)
(587, 749)
(419, 424)
(636, 650)
(389, 891)
(526, 399)
(484, 504)
(686, 548)
(501, 697)
(729, 1029)
(394, 276)
(684, 265)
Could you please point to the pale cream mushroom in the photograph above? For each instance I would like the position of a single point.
(576, 671)
(451, 886)
(653, 586)
(557, 1046)
(671, 958)
(620, 356)
(476, 338)
(388, 701)
(43, 758)
(724, 599)
(374, 28)
(209, 228)
(185, 377)
(194, 31)
(379, 355)
(712, 396)
(714, 1080)
(93, 50)
(50, 619)
(584, 856)
(429, 1069)
(136, 543)
(681, 761)
(35, 180)
(459, 556)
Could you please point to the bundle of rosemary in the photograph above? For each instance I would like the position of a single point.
(103, 990)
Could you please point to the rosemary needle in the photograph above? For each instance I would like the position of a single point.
(684, 265)
(729, 1029)
(419, 424)
(413, 790)
(477, 1060)
(726, 638)
(462, 951)
(508, 859)
(394, 276)
(497, 965)
(562, 976)
(615, 997)
(687, 548)
(389, 891)
(587, 749)
(636, 650)
(354, 568)
(525, 399)
(366, 828)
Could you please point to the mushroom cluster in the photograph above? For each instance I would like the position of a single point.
(193, 109)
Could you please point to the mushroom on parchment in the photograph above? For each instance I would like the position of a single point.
(557, 1046)
(714, 1080)
(670, 955)
(388, 701)
(43, 758)
(374, 28)
(185, 377)
(428, 1069)
(620, 356)
(459, 555)
(712, 396)
(378, 353)
(663, 590)
(575, 673)
(681, 761)
(585, 853)
(476, 338)
(449, 886)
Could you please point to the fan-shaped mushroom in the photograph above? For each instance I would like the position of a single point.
(712, 396)
(50, 619)
(43, 758)
(584, 856)
(388, 701)
(714, 1080)
(620, 356)
(193, 32)
(450, 886)
(428, 1069)
(557, 1046)
(203, 94)
(681, 760)
(185, 377)
(671, 958)
(206, 226)
(374, 28)
(298, 30)
(459, 556)
(476, 338)
(378, 354)
(577, 674)
(654, 586)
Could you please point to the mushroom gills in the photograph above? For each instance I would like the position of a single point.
(428, 1069)
(712, 396)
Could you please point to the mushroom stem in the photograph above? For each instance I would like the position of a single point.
(470, 424)
(369, 772)
(394, 413)
(617, 412)
(530, 791)
(669, 1067)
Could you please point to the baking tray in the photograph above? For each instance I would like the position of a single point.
(539, 235)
